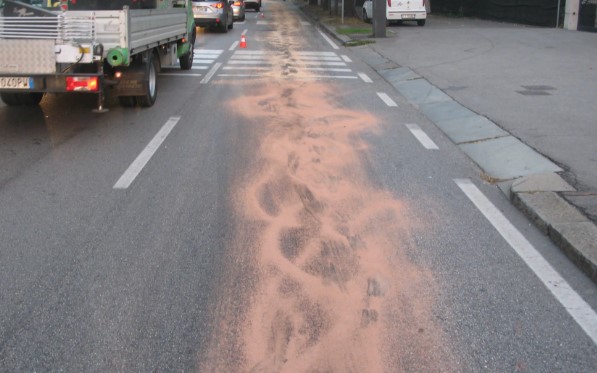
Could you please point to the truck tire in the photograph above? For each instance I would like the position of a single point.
(186, 60)
(24, 99)
(151, 82)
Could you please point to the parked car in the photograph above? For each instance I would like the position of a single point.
(238, 9)
(214, 14)
(399, 11)
(253, 4)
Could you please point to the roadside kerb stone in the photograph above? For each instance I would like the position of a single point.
(573, 232)
(579, 242)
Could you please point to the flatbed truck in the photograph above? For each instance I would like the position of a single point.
(111, 47)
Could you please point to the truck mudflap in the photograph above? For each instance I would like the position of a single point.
(137, 84)
(131, 83)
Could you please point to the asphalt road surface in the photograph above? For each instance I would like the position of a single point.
(279, 209)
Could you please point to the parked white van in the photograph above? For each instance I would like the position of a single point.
(399, 11)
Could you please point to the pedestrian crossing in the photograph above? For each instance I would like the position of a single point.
(261, 63)
(204, 58)
(297, 64)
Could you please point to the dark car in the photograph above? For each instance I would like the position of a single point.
(253, 4)
(213, 14)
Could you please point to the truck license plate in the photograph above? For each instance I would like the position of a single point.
(15, 82)
(408, 16)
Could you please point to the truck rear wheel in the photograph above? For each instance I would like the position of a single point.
(151, 83)
(24, 99)
(186, 60)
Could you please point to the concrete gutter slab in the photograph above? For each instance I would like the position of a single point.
(445, 111)
(469, 129)
(420, 91)
(548, 182)
(507, 158)
(395, 76)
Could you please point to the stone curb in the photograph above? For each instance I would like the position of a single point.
(563, 223)
(537, 197)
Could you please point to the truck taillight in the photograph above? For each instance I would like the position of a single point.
(218, 5)
(82, 83)
(237, 3)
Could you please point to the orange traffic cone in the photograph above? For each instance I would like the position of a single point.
(243, 41)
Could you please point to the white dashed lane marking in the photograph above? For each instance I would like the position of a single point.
(139, 163)
(385, 98)
(365, 78)
(422, 137)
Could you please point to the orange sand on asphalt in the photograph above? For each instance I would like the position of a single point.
(336, 291)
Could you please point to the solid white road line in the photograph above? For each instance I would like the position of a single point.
(208, 51)
(241, 75)
(385, 98)
(346, 58)
(327, 77)
(197, 60)
(580, 311)
(178, 74)
(135, 168)
(310, 53)
(326, 69)
(247, 62)
(200, 67)
(365, 78)
(245, 52)
(264, 68)
(210, 73)
(248, 57)
(328, 40)
(324, 63)
(233, 46)
(319, 58)
(422, 137)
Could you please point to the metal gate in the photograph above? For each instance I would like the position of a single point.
(587, 15)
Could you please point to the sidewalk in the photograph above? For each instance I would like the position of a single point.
(520, 101)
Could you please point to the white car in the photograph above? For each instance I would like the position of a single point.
(399, 11)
